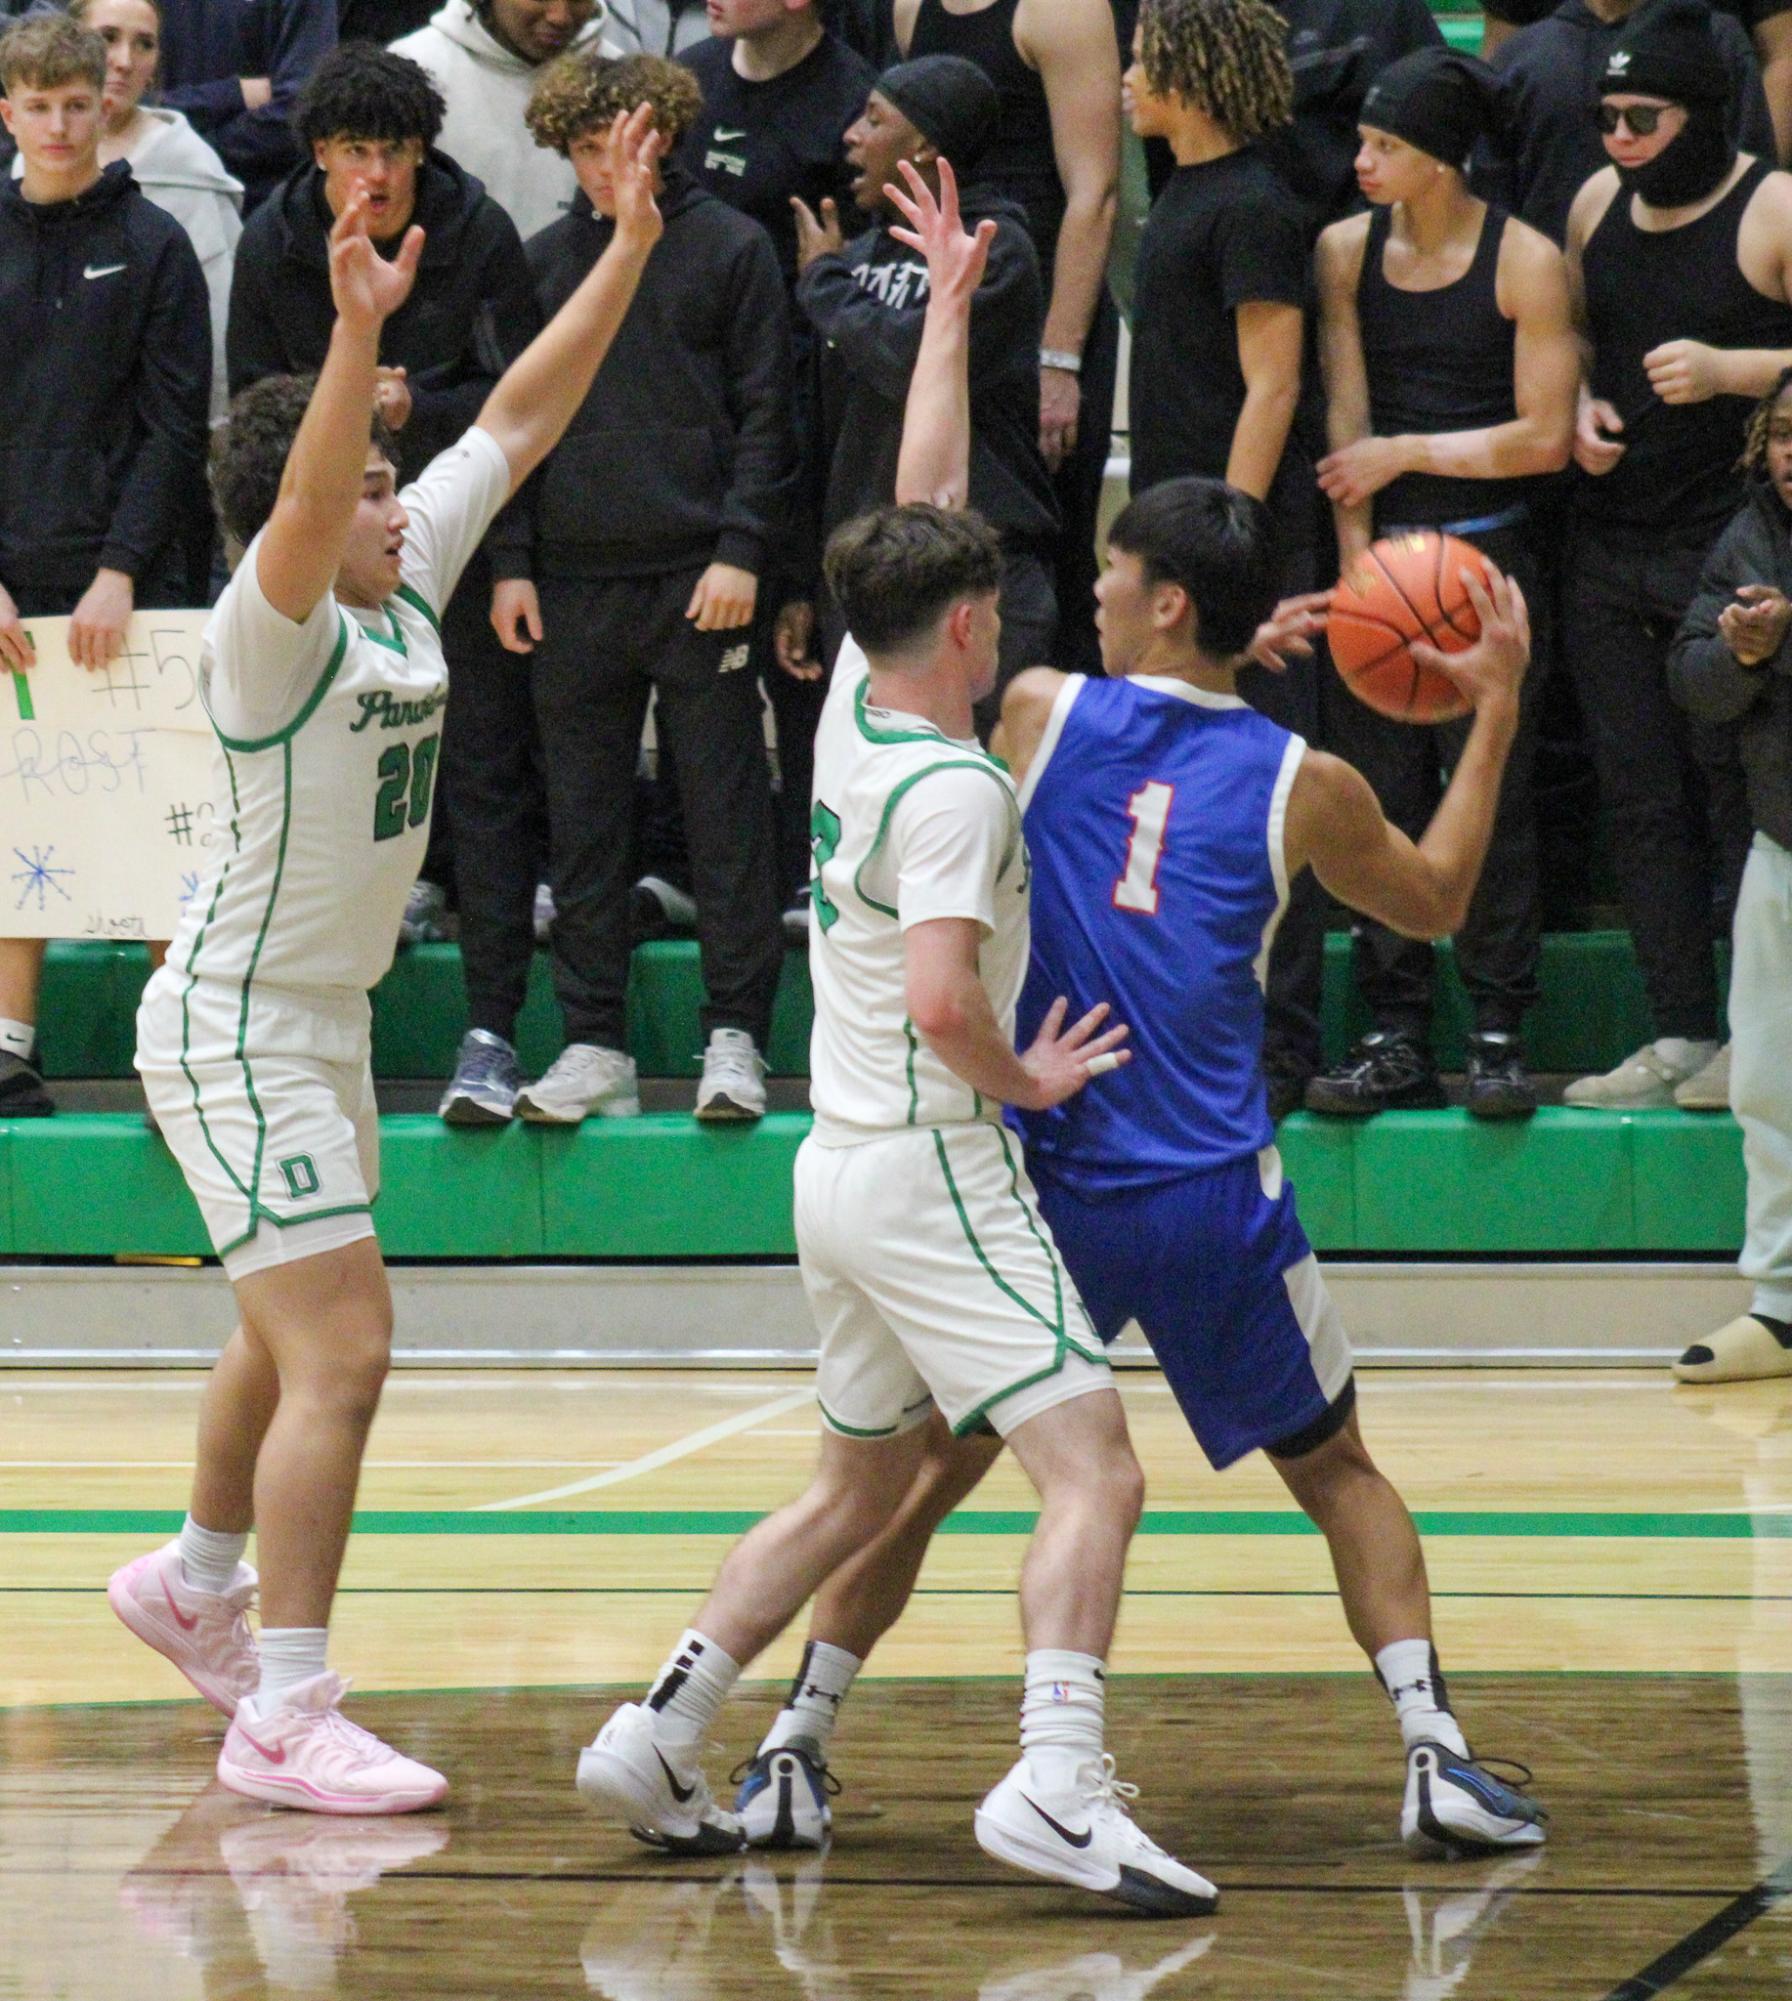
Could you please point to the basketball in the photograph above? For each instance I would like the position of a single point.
(1405, 587)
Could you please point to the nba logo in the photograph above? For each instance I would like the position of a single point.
(1060, 1691)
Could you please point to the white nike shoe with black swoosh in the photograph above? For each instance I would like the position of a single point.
(1087, 1837)
(657, 1792)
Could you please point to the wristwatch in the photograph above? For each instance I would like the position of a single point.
(1061, 357)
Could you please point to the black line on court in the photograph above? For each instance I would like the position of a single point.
(1712, 1936)
(955, 1591)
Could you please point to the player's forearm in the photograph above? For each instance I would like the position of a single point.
(539, 394)
(1518, 449)
(960, 1027)
(1454, 846)
(1260, 437)
(1080, 267)
(935, 461)
(325, 468)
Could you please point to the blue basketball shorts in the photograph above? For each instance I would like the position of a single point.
(1219, 1274)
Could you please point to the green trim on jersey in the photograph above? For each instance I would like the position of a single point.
(895, 799)
(415, 600)
(914, 1090)
(394, 644)
(261, 938)
(852, 1430)
(262, 1215)
(872, 734)
(305, 713)
(186, 1024)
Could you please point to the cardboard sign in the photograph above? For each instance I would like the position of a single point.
(105, 784)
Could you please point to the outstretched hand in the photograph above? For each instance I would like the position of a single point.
(635, 149)
(1060, 1064)
(368, 288)
(956, 259)
(1490, 671)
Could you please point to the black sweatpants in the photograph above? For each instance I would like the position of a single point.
(1670, 784)
(608, 643)
(1408, 765)
(491, 805)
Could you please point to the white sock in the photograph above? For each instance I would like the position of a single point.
(1061, 1716)
(18, 1038)
(690, 1689)
(289, 1655)
(812, 1707)
(209, 1557)
(1408, 1670)
(1685, 1052)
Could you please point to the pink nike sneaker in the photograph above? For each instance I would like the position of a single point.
(204, 1633)
(307, 1754)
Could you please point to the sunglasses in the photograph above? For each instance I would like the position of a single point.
(1639, 119)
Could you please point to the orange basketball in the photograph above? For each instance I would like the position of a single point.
(1406, 587)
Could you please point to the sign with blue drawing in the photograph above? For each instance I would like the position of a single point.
(105, 784)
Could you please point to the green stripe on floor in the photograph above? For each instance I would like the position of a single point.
(1742, 1527)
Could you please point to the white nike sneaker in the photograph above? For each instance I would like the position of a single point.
(1087, 1837)
(1454, 1806)
(783, 1797)
(733, 1085)
(1644, 1081)
(658, 1794)
(583, 1079)
(204, 1633)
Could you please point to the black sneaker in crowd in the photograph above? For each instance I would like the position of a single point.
(1499, 1086)
(22, 1093)
(1388, 1071)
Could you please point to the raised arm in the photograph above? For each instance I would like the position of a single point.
(540, 393)
(301, 547)
(935, 461)
(1421, 889)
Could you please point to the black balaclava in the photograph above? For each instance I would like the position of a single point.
(1668, 50)
(1434, 99)
(949, 101)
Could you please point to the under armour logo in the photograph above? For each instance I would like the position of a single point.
(734, 659)
(811, 1692)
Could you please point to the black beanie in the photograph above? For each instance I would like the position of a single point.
(1668, 50)
(949, 101)
(1434, 99)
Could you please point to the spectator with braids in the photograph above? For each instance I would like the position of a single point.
(1218, 322)
(1731, 665)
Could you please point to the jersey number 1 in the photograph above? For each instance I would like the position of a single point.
(1136, 889)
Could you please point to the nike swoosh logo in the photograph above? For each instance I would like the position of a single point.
(682, 1794)
(279, 1757)
(102, 270)
(726, 132)
(180, 1618)
(1058, 1828)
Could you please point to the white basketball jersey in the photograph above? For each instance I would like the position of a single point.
(908, 824)
(329, 734)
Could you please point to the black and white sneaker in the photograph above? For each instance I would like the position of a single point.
(22, 1093)
(659, 1795)
(1455, 1806)
(783, 1797)
(1087, 1837)
(1388, 1070)
(1499, 1086)
(482, 1091)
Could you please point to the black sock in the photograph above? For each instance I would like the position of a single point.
(1781, 1330)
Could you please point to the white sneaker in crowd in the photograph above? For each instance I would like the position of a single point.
(663, 902)
(1644, 1081)
(1707, 1090)
(733, 1084)
(581, 1080)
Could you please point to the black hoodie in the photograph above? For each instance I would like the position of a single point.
(1708, 679)
(106, 354)
(867, 303)
(680, 455)
(470, 314)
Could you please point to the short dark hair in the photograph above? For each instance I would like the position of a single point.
(895, 572)
(249, 453)
(1219, 544)
(47, 51)
(361, 91)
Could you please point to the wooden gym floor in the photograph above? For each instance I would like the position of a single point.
(1612, 1560)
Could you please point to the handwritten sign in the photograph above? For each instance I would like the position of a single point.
(105, 784)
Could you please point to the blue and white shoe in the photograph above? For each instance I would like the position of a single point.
(482, 1091)
(1455, 1806)
(783, 1797)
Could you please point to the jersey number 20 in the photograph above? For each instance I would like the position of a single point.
(1136, 889)
(403, 796)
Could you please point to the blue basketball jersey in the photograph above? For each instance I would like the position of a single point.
(1153, 813)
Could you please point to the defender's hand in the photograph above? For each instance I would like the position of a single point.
(1061, 1064)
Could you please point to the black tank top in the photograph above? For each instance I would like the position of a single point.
(1438, 360)
(1678, 474)
(1019, 161)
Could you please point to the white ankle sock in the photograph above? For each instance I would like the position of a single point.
(209, 1557)
(812, 1707)
(1408, 1670)
(289, 1655)
(18, 1038)
(1061, 1716)
(690, 1689)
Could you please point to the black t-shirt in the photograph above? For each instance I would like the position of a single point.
(1521, 13)
(1220, 236)
(757, 144)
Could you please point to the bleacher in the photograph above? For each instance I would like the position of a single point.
(96, 1183)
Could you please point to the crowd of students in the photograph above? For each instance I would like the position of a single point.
(1380, 286)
